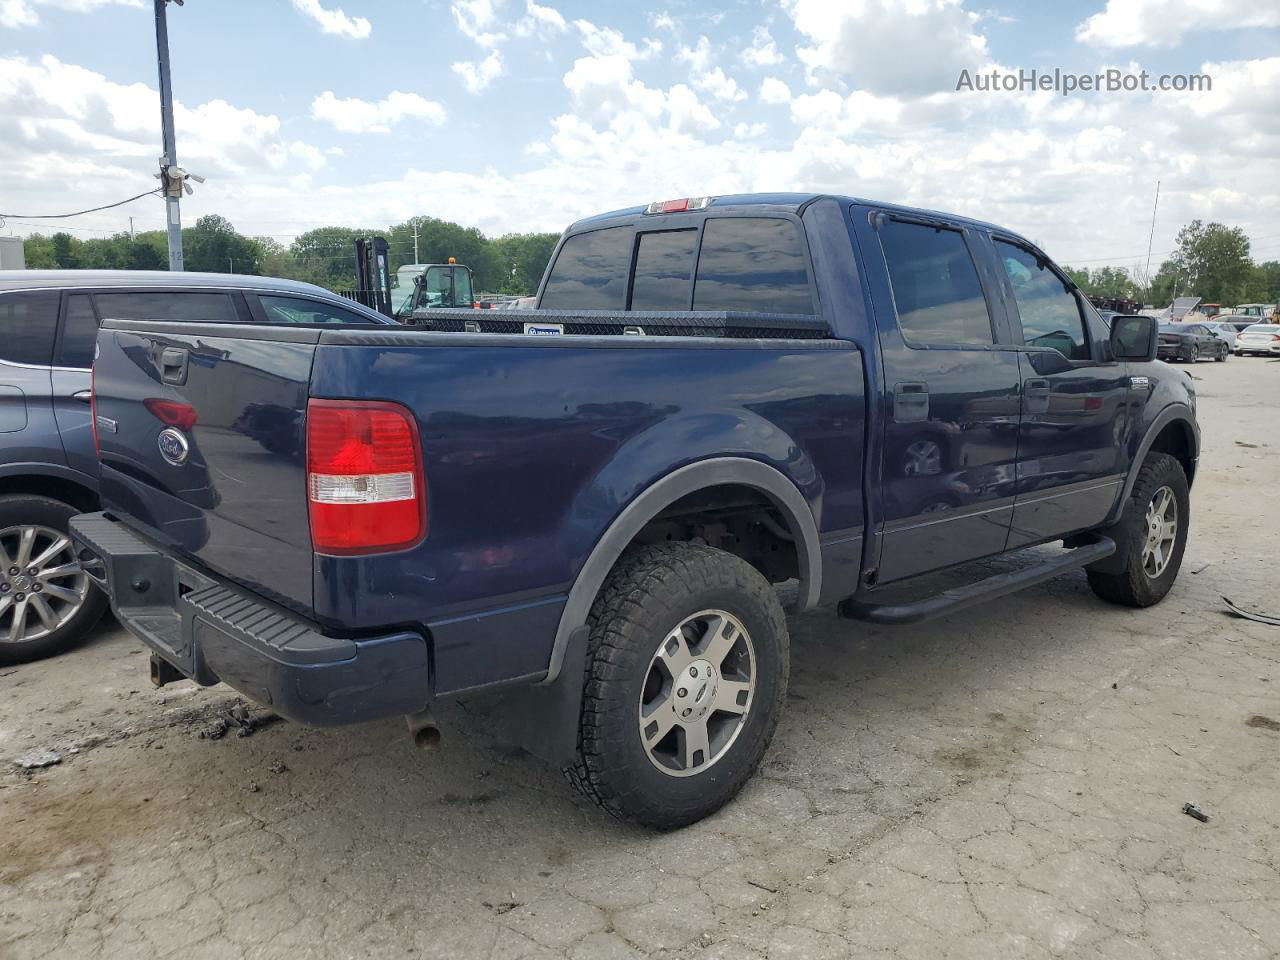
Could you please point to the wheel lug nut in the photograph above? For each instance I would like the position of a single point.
(37, 587)
(13, 571)
(686, 712)
(22, 596)
(682, 692)
(693, 671)
(4, 588)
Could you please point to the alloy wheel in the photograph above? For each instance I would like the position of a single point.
(1161, 532)
(697, 693)
(42, 585)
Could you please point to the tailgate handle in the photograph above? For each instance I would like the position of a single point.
(910, 402)
(173, 365)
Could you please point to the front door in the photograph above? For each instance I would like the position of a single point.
(950, 397)
(1071, 449)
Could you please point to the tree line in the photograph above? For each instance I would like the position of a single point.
(512, 263)
(1212, 261)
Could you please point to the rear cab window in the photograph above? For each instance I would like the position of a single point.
(730, 263)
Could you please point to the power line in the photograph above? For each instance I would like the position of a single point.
(78, 213)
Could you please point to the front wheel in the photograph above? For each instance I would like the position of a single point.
(1194, 355)
(1150, 538)
(1223, 353)
(686, 673)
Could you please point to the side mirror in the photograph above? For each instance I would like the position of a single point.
(1133, 338)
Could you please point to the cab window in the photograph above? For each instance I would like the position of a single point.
(28, 322)
(936, 291)
(1048, 308)
(753, 265)
(300, 310)
(590, 272)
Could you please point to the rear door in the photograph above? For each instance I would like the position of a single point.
(71, 379)
(1071, 443)
(202, 447)
(951, 385)
(28, 431)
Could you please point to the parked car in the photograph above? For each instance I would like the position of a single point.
(1237, 321)
(1191, 342)
(48, 468)
(587, 509)
(1262, 339)
(1225, 332)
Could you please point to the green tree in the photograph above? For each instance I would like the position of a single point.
(1215, 260)
(524, 257)
(327, 256)
(214, 246)
(65, 252)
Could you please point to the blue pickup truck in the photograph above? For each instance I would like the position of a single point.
(587, 505)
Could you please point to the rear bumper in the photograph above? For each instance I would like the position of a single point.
(212, 631)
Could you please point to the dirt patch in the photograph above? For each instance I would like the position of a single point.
(1263, 723)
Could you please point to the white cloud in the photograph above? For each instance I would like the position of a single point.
(478, 75)
(763, 51)
(23, 13)
(663, 21)
(697, 57)
(747, 131)
(773, 90)
(888, 46)
(334, 21)
(540, 20)
(719, 85)
(474, 18)
(607, 42)
(353, 115)
(1162, 23)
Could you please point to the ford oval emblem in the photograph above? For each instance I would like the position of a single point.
(173, 446)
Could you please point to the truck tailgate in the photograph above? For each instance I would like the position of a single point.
(202, 446)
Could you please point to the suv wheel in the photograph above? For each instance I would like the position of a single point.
(47, 602)
(686, 673)
(1150, 538)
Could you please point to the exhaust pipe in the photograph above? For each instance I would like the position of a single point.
(423, 729)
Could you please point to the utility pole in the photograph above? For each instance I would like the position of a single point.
(1152, 236)
(415, 240)
(132, 236)
(172, 177)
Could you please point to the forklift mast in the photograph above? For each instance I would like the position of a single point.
(373, 274)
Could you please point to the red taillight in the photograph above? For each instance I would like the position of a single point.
(682, 205)
(365, 485)
(172, 413)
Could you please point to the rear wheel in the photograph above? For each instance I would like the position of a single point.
(686, 673)
(47, 602)
(1194, 355)
(1223, 353)
(1150, 538)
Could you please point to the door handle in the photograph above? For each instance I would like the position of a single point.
(84, 396)
(1035, 395)
(910, 402)
(173, 365)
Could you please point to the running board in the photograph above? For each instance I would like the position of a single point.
(960, 598)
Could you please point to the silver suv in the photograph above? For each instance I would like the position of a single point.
(48, 467)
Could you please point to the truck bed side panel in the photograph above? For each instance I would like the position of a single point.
(532, 449)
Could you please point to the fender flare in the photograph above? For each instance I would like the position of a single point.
(1171, 413)
(662, 493)
(44, 469)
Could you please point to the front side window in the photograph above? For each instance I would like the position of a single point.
(752, 264)
(28, 322)
(664, 270)
(590, 272)
(936, 290)
(1048, 308)
(301, 310)
(79, 333)
(165, 305)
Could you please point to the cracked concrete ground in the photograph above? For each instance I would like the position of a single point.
(1004, 783)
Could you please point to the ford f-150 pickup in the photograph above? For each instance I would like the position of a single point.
(587, 505)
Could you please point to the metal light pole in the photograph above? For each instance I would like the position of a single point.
(171, 175)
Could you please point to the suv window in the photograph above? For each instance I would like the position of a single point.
(752, 264)
(591, 272)
(301, 310)
(1049, 310)
(208, 307)
(79, 333)
(28, 322)
(936, 291)
(664, 270)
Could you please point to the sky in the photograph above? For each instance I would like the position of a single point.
(520, 115)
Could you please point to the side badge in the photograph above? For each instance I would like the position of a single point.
(173, 446)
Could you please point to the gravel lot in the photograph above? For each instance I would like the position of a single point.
(1004, 783)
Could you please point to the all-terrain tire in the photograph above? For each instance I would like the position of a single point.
(648, 595)
(18, 510)
(1133, 586)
